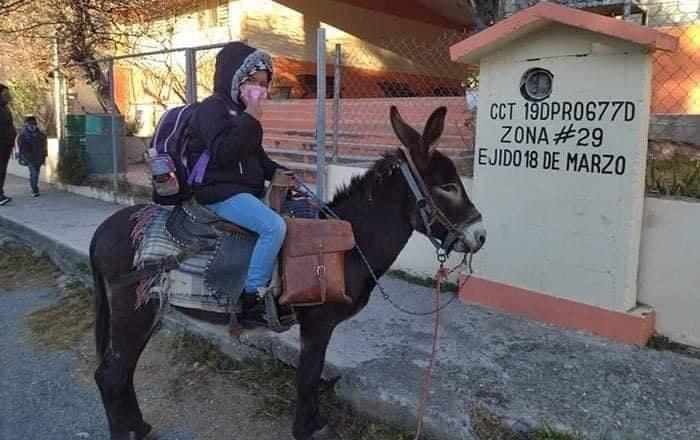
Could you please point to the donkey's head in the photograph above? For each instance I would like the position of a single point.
(447, 215)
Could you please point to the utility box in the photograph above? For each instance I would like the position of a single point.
(560, 153)
(93, 132)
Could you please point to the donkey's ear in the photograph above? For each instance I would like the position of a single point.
(433, 130)
(406, 134)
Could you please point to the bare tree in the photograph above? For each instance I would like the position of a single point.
(86, 30)
(9, 6)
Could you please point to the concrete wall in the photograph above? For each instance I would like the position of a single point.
(668, 277)
(678, 128)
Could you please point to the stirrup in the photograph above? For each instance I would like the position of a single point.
(274, 321)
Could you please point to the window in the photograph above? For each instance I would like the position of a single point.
(213, 13)
(222, 13)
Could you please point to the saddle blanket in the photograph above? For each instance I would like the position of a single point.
(212, 280)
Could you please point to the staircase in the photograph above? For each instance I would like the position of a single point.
(364, 133)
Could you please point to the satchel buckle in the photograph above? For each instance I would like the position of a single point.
(321, 270)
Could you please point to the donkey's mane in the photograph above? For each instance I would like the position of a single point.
(362, 185)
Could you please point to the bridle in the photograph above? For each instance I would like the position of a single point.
(430, 213)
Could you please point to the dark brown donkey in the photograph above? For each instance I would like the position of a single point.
(383, 212)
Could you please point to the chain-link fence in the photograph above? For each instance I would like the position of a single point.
(106, 126)
(129, 94)
(107, 123)
(416, 76)
(674, 131)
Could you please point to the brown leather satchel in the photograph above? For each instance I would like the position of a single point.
(313, 261)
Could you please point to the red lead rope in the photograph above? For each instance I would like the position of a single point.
(441, 274)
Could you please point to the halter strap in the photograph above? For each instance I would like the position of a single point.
(428, 209)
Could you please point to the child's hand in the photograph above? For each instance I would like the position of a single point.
(252, 96)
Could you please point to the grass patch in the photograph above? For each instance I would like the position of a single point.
(61, 326)
(546, 432)
(673, 177)
(488, 426)
(447, 286)
(20, 268)
(274, 382)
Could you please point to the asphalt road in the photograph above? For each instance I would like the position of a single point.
(50, 394)
(39, 397)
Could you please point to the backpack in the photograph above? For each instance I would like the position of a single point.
(171, 176)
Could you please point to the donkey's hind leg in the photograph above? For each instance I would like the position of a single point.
(130, 332)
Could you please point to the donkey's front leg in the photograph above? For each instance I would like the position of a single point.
(315, 334)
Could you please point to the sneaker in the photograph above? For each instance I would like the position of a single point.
(253, 313)
(35, 194)
(5, 200)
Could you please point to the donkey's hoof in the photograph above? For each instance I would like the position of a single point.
(145, 432)
(322, 434)
(321, 428)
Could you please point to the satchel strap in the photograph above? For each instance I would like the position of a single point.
(321, 272)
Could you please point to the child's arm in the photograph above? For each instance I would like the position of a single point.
(269, 165)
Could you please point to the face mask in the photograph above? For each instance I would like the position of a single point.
(252, 93)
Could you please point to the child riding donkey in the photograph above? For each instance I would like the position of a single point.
(227, 126)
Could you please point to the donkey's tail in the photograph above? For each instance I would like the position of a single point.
(102, 312)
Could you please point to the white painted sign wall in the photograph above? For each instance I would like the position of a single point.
(561, 182)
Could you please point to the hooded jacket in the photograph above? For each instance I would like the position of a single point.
(32, 146)
(238, 164)
(7, 128)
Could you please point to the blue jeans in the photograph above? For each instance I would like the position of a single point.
(249, 212)
(34, 177)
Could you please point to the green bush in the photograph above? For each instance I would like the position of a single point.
(72, 167)
(674, 177)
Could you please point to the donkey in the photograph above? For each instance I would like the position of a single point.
(383, 211)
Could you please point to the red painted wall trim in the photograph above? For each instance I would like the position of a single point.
(625, 327)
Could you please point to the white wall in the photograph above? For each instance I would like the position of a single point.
(668, 279)
(669, 276)
(565, 228)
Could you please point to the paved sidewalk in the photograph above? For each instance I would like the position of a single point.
(522, 371)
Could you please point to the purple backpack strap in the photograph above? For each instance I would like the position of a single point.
(199, 169)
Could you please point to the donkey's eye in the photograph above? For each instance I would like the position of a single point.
(450, 187)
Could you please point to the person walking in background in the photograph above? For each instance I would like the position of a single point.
(32, 151)
(7, 139)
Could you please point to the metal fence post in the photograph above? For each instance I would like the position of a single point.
(191, 75)
(321, 114)
(336, 102)
(113, 113)
(58, 102)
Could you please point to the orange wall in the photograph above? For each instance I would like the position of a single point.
(122, 88)
(676, 80)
